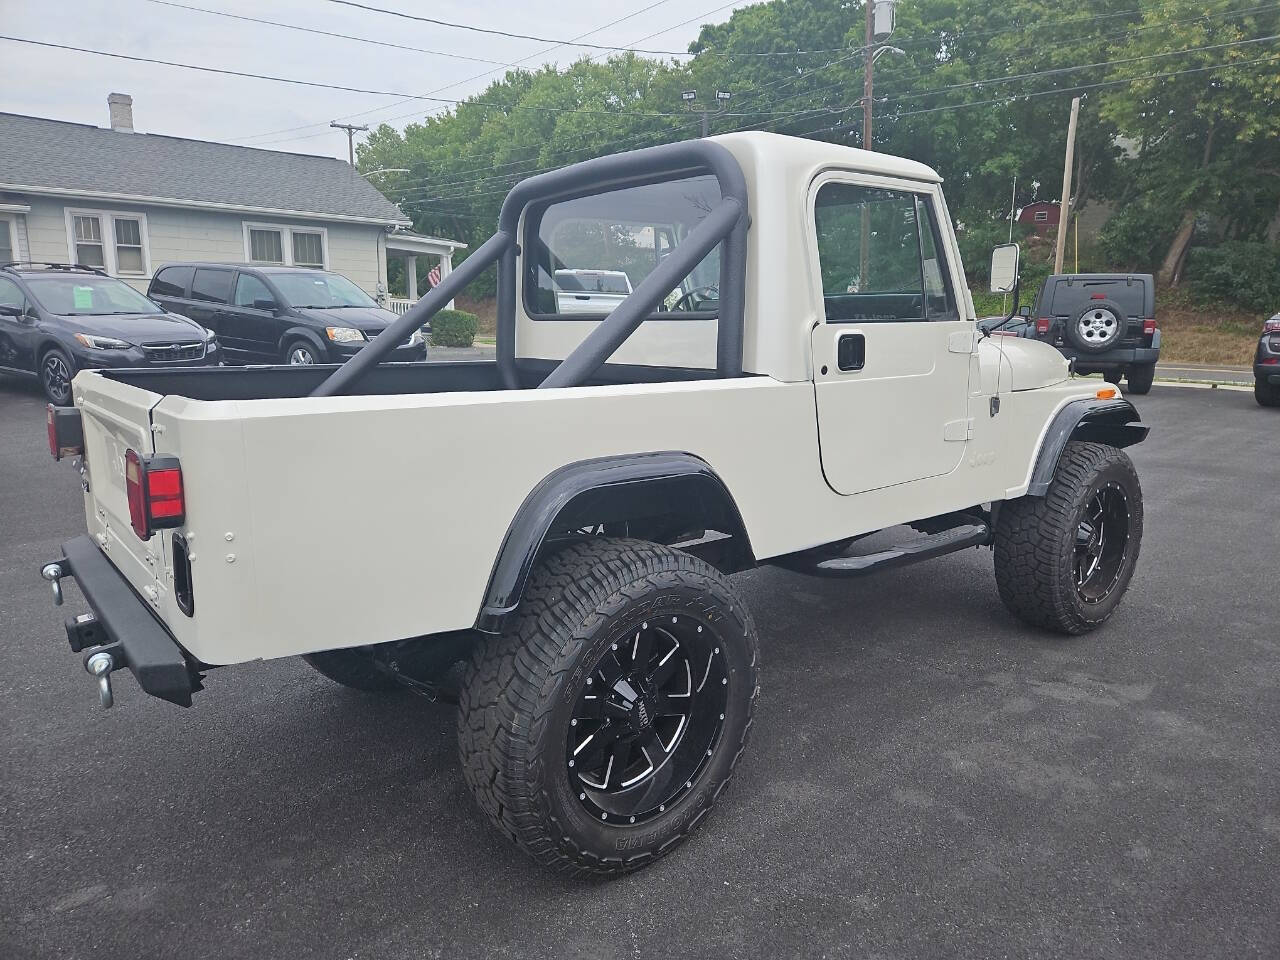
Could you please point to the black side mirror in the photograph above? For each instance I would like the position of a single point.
(264, 303)
(1025, 311)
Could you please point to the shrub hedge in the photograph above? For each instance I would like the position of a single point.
(454, 328)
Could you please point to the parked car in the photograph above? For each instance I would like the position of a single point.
(290, 315)
(1266, 365)
(602, 479)
(590, 291)
(58, 318)
(1105, 322)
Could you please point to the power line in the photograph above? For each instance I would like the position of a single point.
(502, 33)
(478, 76)
(323, 33)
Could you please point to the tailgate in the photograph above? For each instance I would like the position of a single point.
(117, 417)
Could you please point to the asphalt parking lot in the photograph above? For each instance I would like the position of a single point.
(926, 778)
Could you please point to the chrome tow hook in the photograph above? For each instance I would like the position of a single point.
(100, 666)
(53, 573)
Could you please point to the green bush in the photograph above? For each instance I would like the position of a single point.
(979, 238)
(453, 328)
(1239, 272)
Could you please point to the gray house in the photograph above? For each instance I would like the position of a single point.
(127, 202)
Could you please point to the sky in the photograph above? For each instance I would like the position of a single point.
(65, 85)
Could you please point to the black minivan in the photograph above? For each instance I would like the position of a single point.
(265, 314)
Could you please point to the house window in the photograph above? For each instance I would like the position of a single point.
(1042, 216)
(113, 242)
(6, 241)
(265, 246)
(290, 246)
(89, 249)
(129, 246)
(308, 249)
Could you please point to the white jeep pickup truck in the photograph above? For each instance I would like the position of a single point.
(565, 518)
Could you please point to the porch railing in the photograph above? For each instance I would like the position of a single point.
(399, 305)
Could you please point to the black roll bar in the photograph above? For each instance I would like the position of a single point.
(727, 223)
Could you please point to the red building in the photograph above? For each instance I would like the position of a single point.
(1041, 216)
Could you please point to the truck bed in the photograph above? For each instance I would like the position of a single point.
(388, 379)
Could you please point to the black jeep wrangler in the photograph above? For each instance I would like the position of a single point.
(1105, 322)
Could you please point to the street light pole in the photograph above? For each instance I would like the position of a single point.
(868, 63)
(690, 97)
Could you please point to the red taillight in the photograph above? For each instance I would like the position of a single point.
(1042, 325)
(1270, 361)
(154, 489)
(1098, 296)
(1149, 326)
(66, 435)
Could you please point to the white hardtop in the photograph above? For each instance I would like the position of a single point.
(791, 153)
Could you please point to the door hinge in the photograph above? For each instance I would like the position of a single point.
(958, 430)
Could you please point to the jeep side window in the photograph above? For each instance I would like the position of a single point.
(879, 256)
(626, 231)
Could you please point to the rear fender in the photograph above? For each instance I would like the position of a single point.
(639, 495)
(1115, 422)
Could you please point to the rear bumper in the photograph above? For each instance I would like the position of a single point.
(123, 626)
(1116, 359)
(1267, 373)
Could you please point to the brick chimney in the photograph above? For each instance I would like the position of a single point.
(121, 107)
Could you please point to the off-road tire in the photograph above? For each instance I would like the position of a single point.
(519, 692)
(1113, 377)
(1140, 377)
(1035, 541)
(1267, 394)
(353, 668)
(1091, 347)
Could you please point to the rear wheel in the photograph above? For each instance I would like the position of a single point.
(56, 371)
(599, 731)
(1113, 376)
(1141, 377)
(1267, 394)
(1063, 561)
(1096, 327)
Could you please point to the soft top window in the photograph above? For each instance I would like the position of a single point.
(588, 252)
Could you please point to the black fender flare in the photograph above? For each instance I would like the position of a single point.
(610, 490)
(1115, 422)
(304, 333)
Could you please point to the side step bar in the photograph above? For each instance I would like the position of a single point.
(975, 534)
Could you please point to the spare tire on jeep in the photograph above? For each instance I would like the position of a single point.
(1097, 326)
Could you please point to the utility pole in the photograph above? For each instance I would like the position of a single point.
(722, 100)
(352, 130)
(1064, 205)
(868, 62)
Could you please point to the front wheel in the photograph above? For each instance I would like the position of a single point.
(300, 353)
(56, 371)
(1063, 561)
(600, 729)
(1267, 394)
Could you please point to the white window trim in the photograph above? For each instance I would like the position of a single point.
(286, 240)
(1040, 216)
(107, 218)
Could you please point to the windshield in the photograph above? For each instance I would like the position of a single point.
(313, 288)
(86, 296)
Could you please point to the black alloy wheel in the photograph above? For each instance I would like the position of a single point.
(55, 377)
(1102, 537)
(648, 719)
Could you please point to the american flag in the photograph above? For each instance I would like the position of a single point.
(433, 277)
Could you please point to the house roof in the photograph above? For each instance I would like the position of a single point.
(38, 155)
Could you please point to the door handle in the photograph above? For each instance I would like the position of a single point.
(851, 351)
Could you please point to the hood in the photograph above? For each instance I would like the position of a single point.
(368, 319)
(1025, 364)
(138, 328)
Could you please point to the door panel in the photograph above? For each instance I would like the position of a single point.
(884, 423)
